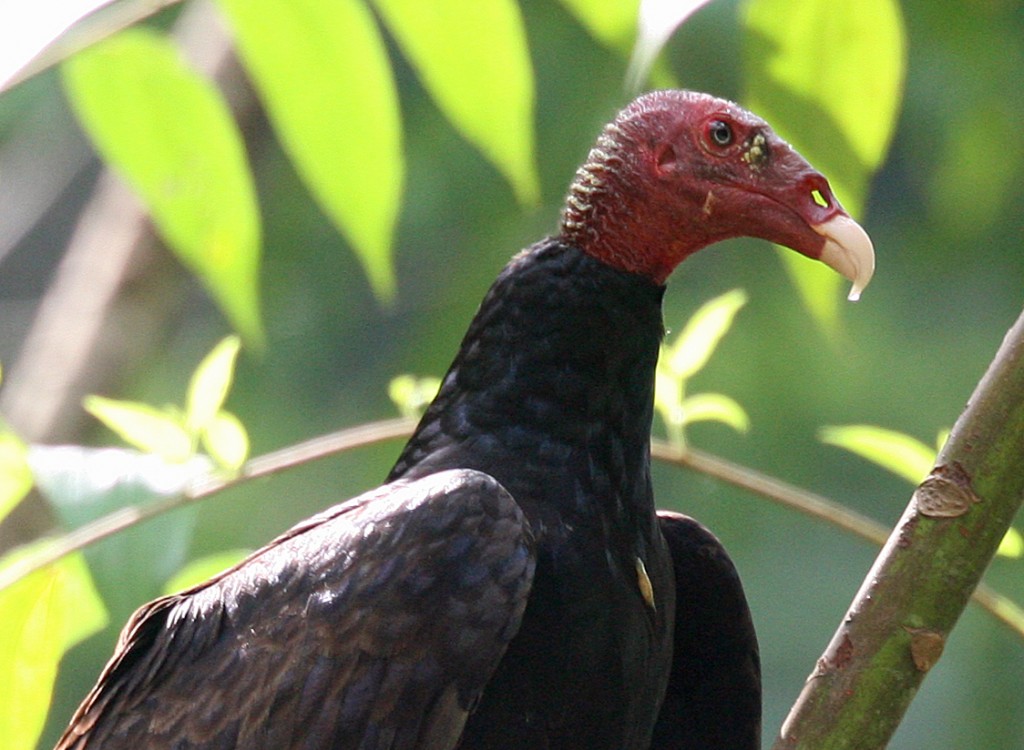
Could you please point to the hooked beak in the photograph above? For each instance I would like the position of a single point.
(848, 250)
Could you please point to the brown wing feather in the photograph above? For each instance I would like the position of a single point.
(373, 625)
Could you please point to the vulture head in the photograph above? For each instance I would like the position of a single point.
(679, 170)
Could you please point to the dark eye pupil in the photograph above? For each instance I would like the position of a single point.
(721, 133)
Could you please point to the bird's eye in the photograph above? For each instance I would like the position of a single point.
(720, 132)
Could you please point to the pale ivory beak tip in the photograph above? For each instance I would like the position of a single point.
(849, 251)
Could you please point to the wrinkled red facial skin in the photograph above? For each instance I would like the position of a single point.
(659, 186)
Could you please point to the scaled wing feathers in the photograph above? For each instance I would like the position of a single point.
(375, 624)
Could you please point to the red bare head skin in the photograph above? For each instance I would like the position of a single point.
(679, 170)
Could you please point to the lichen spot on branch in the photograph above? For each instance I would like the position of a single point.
(946, 493)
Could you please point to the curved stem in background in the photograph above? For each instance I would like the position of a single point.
(371, 433)
(262, 466)
(808, 503)
(1004, 609)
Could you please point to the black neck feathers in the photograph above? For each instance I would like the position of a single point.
(552, 389)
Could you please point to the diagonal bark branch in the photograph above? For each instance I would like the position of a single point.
(897, 625)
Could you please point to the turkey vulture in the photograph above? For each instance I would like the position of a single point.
(510, 585)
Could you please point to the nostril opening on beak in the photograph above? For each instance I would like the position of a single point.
(820, 202)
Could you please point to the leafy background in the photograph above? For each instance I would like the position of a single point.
(365, 205)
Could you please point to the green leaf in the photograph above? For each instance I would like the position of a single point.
(474, 60)
(715, 407)
(1012, 544)
(15, 475)
(611, 22)
(697, 341)
(829, 78)
(203, 568)
(144, 427)
(169, 132)
(901, 454)
(322, 71)
(684, 357)
(226, 440)
(41, 617)
(412, 395)
(210, 384)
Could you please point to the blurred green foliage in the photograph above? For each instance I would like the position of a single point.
(474, 60)
(944, 212)
(15, 476)
(169, 132)
(412, 395)
(41, 617)
(346, 123)
(901, 454)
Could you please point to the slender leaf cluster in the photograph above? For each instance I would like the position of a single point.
(686, 356)
(175, 434)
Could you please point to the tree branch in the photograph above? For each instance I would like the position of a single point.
(897, 625)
